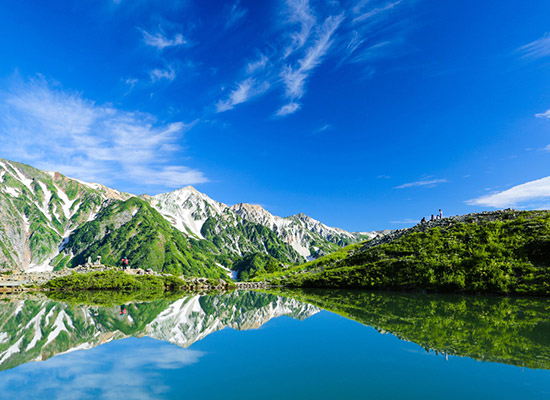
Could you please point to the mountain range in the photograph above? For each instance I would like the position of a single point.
(49, 221)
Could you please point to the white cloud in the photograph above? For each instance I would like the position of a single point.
(545, 115)
(308, 33)
(546, 148)
(288, 109)
(62, 131)
(354, 42)
(117, 370)
(236, 13)
(295, 77)
(160, 41)
(527, 192)
(324, 128)
(374, 12)
(299, 12)
(131, 82)
(257, 65)
(244, 91)
(537, 49)
(157, 74)
(426, 183)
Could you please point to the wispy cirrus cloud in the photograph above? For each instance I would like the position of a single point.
(168, 73)
(63, 131)
(287, 109)
(294, 77)
(307, 34)
(362, 14)
(529, 194)
(422, 183)
(236, 14)
(537, 49)
(298, 13)
(544, 115)
(244, 91)
(257, 65)
(324, 128)
(160, 41)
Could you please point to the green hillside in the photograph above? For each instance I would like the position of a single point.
(499, 252)
(132, 228)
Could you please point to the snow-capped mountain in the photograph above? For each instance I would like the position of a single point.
(187, 209)
(39, 210)
(35, 330)
(48, 220)
(305, 234)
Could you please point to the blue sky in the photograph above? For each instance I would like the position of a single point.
(362, 114)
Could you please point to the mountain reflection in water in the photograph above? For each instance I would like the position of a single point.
(35, 330)
(502, 329)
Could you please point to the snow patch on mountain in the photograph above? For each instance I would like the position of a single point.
(12, 191)
(82, 346)
(43, 267)
(297, 230)
(59, 326)
(13, 349)
(187, 209)
(19, 308)
(22, 178)
(35, 323)
(47, 197)
(67, 204)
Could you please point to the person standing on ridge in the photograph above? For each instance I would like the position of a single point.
(440, 214)
(124, 262)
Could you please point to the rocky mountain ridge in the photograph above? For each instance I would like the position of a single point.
(51, 221)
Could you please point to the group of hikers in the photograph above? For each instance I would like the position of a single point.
(433, 217)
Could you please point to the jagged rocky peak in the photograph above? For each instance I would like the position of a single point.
(258, 214)
(187, 209)
(188, 197)
(313, 225)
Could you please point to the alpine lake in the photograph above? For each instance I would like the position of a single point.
(274, 344)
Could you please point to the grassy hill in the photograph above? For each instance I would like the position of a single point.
(134, 229)
(495, 252)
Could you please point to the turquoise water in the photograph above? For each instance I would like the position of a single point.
(271, 347)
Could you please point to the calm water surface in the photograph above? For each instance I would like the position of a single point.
(272, 346)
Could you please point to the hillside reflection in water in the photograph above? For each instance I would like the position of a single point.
(169, 347)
